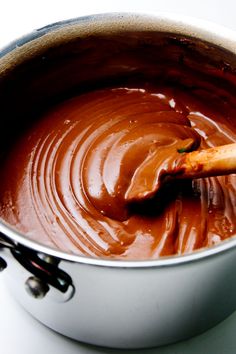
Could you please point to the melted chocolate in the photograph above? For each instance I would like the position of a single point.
(65, 181)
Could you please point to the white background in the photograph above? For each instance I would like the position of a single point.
(19, 333)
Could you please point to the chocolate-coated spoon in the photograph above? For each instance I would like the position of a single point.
(214, 161)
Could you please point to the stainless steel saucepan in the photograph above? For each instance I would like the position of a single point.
(122, 304)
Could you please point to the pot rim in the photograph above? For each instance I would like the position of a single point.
(162, 22)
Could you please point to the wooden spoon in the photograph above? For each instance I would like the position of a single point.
(216, 161)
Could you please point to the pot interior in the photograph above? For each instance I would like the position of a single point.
(56, 66)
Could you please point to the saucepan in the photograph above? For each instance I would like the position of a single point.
(113, 303)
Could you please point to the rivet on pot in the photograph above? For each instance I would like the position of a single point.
(36, 287)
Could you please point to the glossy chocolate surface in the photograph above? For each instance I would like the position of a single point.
(65, 179)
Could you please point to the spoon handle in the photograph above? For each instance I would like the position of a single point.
(216, 161)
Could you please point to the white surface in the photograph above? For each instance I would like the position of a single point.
(19, 332)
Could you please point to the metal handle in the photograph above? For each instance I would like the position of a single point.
(44, 270)
(3, 264)
(4, 243)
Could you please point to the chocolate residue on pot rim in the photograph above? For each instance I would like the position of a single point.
(65, 180)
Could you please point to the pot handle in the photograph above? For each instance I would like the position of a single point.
(44, 269)
(4, 243)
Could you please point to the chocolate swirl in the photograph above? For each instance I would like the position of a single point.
(70, 172)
